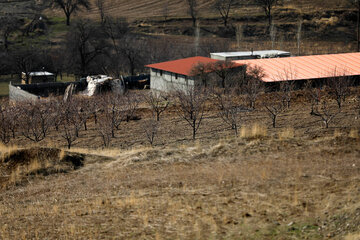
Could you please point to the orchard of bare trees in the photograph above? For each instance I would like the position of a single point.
(106, 117)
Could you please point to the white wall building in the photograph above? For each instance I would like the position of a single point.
(175, 75)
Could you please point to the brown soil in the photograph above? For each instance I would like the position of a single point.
(297, 181)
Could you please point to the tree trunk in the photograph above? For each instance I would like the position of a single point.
(270, 19)
(67, 19)
(158, 116)
(357, 27)
(274, 121)
(194, 21)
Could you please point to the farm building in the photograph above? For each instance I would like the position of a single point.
(37, 77)
(178, 74)
(231, 56)
(315, 67)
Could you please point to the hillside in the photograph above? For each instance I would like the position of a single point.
(227, 189)
(296, 181)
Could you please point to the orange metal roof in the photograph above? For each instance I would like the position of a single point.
(307, 67)
(183, 66)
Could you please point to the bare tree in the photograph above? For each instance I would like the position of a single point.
(105, 129)
(70, 7)
(151, 127)
(286, 91)
(230, 108)
(287, 85)
(13, 113)
(224, 70)
(5, 131)
(356, 5)
(100, 4)
(131, 103)
(253, 84)
(267, 6)
(274, 107)
(339, 86)
(224, 7)
(68, 129)
(9, 24)
(132, 47)
(193, 10)
(158, 103)
(165, 10)
(25, 61)
(112, 109)
(201, 71)
(35, 121)
(85, 43)
(313, 93)
(357, 107)
(324, 112)
(191, 106)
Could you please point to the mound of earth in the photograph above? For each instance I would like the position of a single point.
(19, 164)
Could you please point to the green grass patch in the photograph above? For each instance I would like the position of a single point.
(4, 89)
(57, 24)
(66, 78)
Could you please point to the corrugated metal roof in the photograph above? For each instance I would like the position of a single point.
(43, 73)
(181, 66)
(307, 67)
(261, 54)
(185, 65)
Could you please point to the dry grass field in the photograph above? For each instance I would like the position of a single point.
(297, 181)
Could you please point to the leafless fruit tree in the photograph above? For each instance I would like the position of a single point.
(105, 129)
(253, 84)
(274, 107)
(13, 113)
(192, 106)
(324, 112)
(35, 120)
(158, 103)
(151, 128)
(112, 107)
(67, 129)
(313, 93)
(201, 71)
(287, 85)
(286, 91)
(5, 131)
(230, 108)
(224, 70)
(130, 103)
(339, 86)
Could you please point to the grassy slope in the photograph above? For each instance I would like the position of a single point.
(297, 181)
(232, 189)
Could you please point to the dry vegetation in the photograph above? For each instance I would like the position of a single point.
(296, 181)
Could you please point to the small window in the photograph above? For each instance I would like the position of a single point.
(161, 72)
(176, 76)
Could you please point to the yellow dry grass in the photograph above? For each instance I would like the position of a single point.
(287, 133)
(255, 131)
